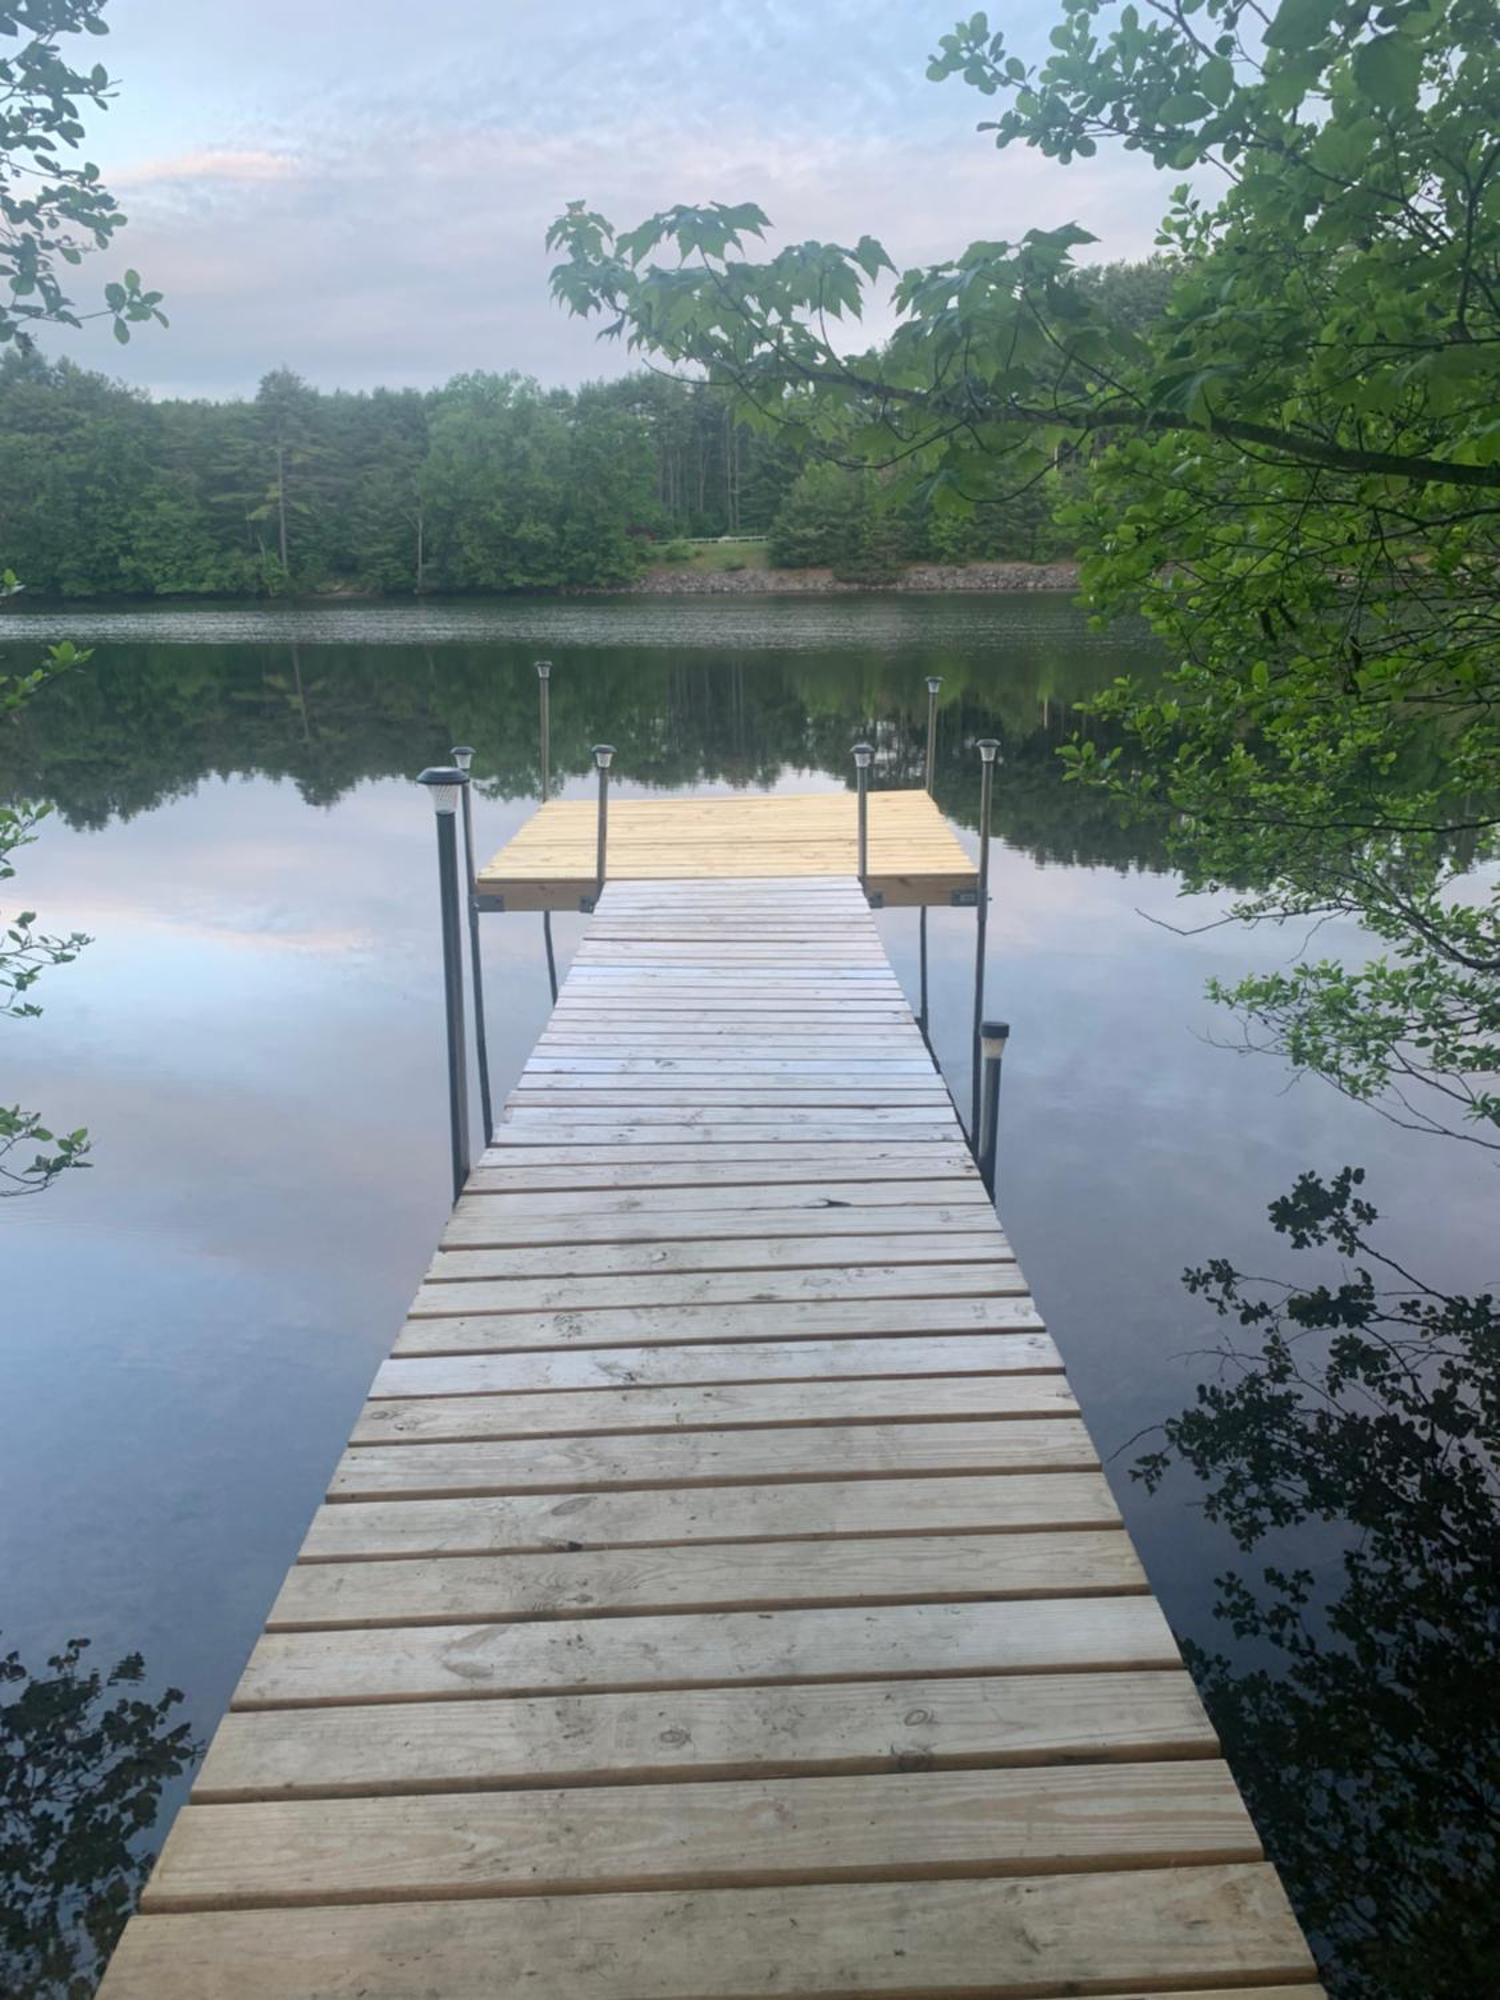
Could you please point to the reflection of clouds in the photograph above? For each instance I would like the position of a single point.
(122, 925)
(244, 865)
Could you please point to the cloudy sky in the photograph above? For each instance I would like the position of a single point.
(359, 188)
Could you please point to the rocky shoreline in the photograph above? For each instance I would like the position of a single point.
(928, 577)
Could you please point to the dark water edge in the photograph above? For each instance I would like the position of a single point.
(254, 1041)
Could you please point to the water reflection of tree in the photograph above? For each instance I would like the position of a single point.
(150, 722)
(1368, 1744)
(83, 1762)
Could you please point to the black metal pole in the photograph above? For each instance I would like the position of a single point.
(463, 758)
(992, 1039)
(544, 696)
(988, 750)
(544, 679)
(603, 757)
(445, 784)
(864, 754)
(934, 682)
(922, 960)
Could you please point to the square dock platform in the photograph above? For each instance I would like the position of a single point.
(551, 862)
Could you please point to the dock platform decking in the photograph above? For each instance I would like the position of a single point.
(550, 864)
(720, 1595)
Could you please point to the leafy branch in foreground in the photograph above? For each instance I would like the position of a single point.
(52, 210)
(26, 952)
(1370, 1750)
(1295, 476)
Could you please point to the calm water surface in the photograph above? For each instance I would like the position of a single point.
(254, 1041)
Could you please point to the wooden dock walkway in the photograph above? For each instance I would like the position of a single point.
(720, 1595)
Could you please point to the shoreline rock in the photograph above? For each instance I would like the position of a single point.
(932, 578)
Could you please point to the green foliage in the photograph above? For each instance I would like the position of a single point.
(83, 1762)
(488, 484)
(1289, 464)
(1369, 1747)
(53, 209)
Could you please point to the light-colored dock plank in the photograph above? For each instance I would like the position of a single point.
(969, 1237)
(752, 1164)
(675, 1407)
(749, 1361)
(1181, 1932)
(599, 1125)
(604, 1655)
(716, 1458)
(916, 1569)
(816, 1196)
(893, 1826)
(735, 1732)
(356, 1531)
(493, 1225)
(921, 1278)
(457, 1330)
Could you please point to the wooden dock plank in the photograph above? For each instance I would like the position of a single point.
(461, 1331)
(604, 1655)
(630, 1409)
(1144, 1932)
(546, 1169)
(493, 1226)
(713, 1458)
(733, 1732)
(748, 1361)
(817, 1195)
(721, 1530)
(929, 1277)
(965, 1237)
(354, 1531)
(892, 1826)
(914, 1569)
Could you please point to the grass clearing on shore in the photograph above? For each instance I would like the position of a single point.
(706, 558)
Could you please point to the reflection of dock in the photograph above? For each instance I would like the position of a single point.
(720, 1595)
(550, 864)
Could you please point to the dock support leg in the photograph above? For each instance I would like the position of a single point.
(922, 963)
(864, 756)
(463, 758)
(603, 757)
(445, 784)
(934, 682)
(993, 1037)
(544, 676)
(988, 750)
(544, 682)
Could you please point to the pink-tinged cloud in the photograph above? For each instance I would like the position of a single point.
(229, 164)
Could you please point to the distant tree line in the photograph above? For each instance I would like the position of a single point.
(490, 483)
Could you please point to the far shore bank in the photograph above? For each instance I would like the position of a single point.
(930, 579)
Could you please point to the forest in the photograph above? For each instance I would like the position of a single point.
(490, 483)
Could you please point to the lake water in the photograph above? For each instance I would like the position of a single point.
(254, 1041)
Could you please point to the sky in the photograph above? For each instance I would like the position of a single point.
(359, 189)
